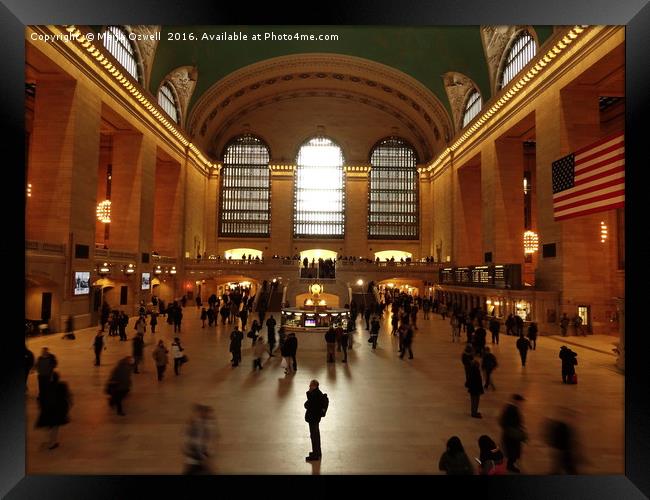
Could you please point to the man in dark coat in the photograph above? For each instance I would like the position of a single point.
(523, 345)
(479, 340)
(510, 325)
(291, 346)
(55, 404)
(532, 334)
(366, 315)
(494, 327)
(29, 364)
(236, 338)
(569, 361)
(407, 342)
(330, 340)
(314, 406)
(98, 346)
(243, 315)
(488, 363)
(119, 383)
(466, 358)
(374, 331)
(519, 325)
(45, 365)
(138, 351)
(270, 331)
(514, 434)
(475, 387)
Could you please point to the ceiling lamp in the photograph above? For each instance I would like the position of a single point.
(531, 242)
(104, 211)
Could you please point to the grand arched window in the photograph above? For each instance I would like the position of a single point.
(472, 107)
(167, 100)
(319, 190)
(116, 40)
(393, 191)
(521, 52)
(245, 188)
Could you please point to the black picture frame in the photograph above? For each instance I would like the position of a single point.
(635, 14)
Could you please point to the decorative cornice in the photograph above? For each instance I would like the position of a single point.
(130, 89)
(183, 79)
(458, 87)
(147, 44)
(541, 64)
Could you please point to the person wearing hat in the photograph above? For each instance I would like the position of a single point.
(513, 431)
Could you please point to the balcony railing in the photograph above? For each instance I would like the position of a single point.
(41, 246)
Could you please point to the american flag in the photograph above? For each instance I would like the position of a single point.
(590, 180)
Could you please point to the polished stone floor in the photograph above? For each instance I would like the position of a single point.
(386, 415)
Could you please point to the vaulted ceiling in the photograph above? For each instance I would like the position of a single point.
(371, 82)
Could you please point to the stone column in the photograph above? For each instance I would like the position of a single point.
(282, 180)
(468, 215)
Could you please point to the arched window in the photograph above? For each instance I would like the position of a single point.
(522, 50)
(245, 188)
(116, 40)
(472, 107)
(393, 192)
(167, 100)
(319, 190)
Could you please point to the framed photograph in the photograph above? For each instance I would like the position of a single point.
(146, 281)
(82, 282)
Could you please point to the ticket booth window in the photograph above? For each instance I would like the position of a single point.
(583, 312)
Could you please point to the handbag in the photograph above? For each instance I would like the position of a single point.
(574, 378)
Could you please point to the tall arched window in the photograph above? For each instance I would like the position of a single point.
(472, 107)
(521, 52)
(245, 188)
(116, 40)
(167, 99)
(393, 192)
(319, 190)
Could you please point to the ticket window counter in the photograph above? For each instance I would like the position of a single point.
(584, 313)
(523, 310)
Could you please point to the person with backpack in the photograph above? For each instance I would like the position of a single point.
(98, 345)
(316, 406)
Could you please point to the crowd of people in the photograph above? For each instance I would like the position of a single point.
(402, 308)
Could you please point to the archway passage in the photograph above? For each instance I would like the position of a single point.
(317, 253)
(393, 254)
(242, 253)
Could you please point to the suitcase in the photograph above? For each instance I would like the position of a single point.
(574, 378)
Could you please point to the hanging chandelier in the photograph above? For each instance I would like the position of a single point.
(531, 242)
(104, 211)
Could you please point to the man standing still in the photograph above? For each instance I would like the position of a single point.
(316, 407)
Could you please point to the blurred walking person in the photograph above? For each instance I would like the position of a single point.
(54, 404)
(197, 441)
(488, 364)
(45, 365)
(475, 387)
(514, 434)
(119, 383)
(160, 357)
(98, 345)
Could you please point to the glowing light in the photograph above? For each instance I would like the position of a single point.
(531, 242)
(603, 232)
(104, 211)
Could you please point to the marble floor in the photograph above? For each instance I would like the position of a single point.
(386, 415)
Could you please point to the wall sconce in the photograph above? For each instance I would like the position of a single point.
(130, 269)
(173, 270)
(104, 269)
(603, 232)
(29, 190)
(157, 270)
